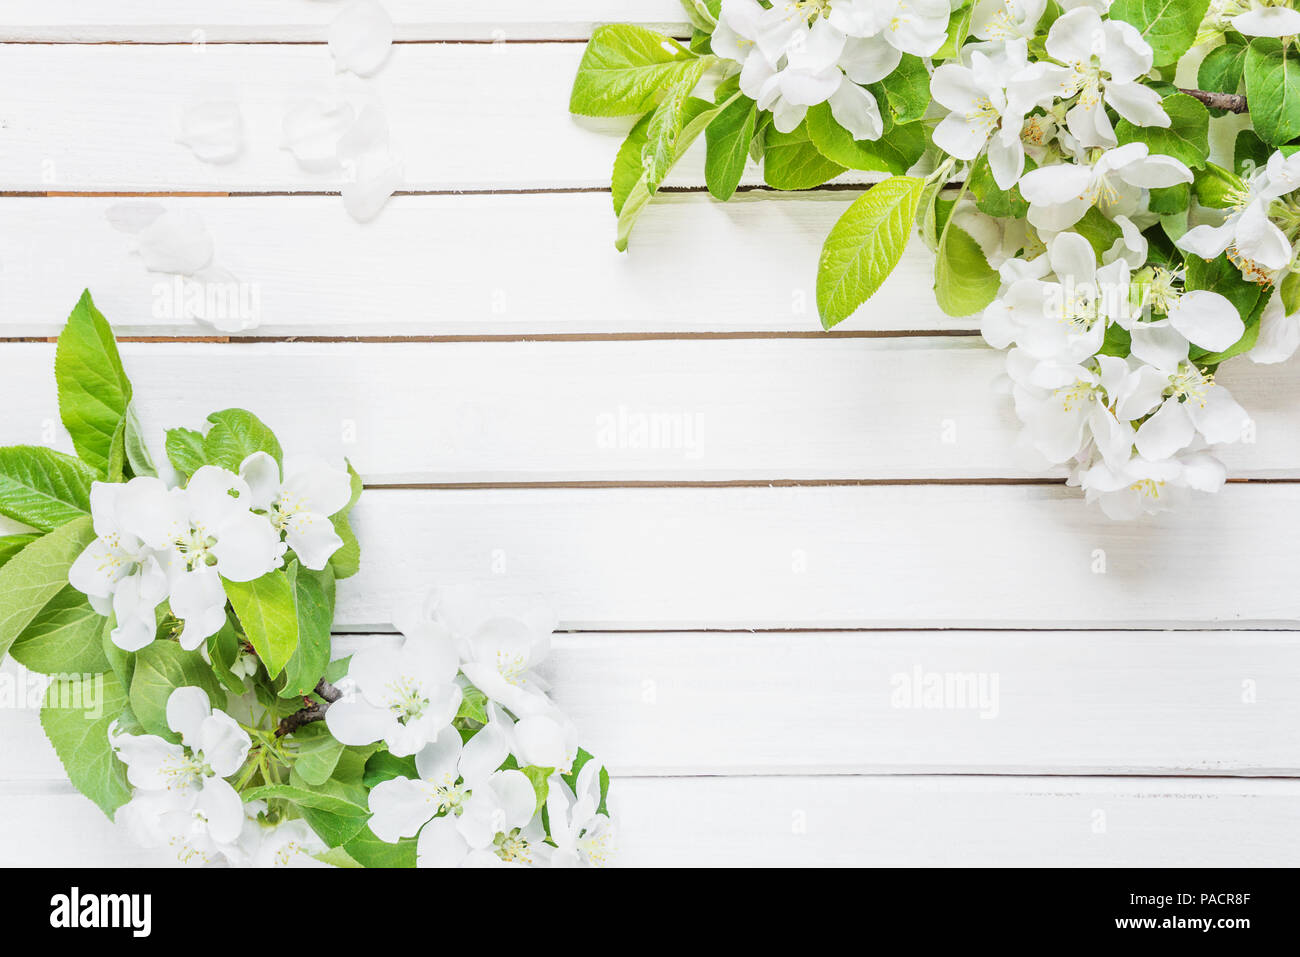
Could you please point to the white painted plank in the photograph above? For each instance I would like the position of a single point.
(842, 821)
(1017, 703)
(462, 116)
(462, 265)
(676, 410)
(830, 557)
(215, 21)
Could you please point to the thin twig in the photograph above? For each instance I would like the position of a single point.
(1232, 102)
(313, 712)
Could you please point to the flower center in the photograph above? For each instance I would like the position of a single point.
(597, 846)
(1147, 487)
(195, 546)
(513, 848)
(1074, 397)
(1189, 384)
(511, 668)
(406, 699)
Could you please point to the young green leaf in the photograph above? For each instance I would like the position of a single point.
(964, 283)
(1223, 69)
(628, 171)
(336, 818)
(235, 435)
(625, 68)
(316, 753)
(11, 545)
(898, 148)
(908, 89)
(43, 488)
(864, 246)
(346, 562)
(314, 596)
(267, 610)
(94, 391)
(659, 151)
(369, 851)
(1273, 90)
(30, 579)
(1187, 138)
(75, 717)
(728, 137)
(791, 160)
(65, 637)
(1216, 186)
(1289, 290)
(184, 449)
(698, 114)
(1168, 25)
(135, 447)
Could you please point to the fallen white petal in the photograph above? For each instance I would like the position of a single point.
(213, 130)
(176, 242)
(360, 37)
(313, 131)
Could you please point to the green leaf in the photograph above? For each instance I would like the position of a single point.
(316, 752)
(864, 246)
(1221, 276)
(625, 68)
(30, 579)
(791, 161)
(728, 137)
(1168, 25)
(223, 652)
(94, 391)
(1223, 69)
(992, 199)
(571, 779)
(135, 447)
(1273, 90)
(1289, 289)
(540, 778)
(895, 152)
(698, 114)
(383, 766)
(958, 30)
(1249, 153)
(964, 283)
(1100, 231)
(267, 610)
(43, 488)
(1187, 138)
(1170, 200)
(473, 705)
(65, 637)
(76, 716)
(1216, 186)
(335, 818)
(659, 151)
(628, 171)
(11, 545)
(908, 89)
(346, 562)
(235, 435)
(314, 595)
(185, 451)
(369, 851)
(161, 668)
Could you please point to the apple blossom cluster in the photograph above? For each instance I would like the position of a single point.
(156, 543)
(799, 53)
(476, 789)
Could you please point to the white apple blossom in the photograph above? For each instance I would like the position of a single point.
(496, 826)
(404, 695)
(1279, 334)
(1143, 487)
(980, 113)
(918, 27)
(1006, 19)
(302, 504)
(1059, 195)
(581, 834)
(182, 798)
(1260, 18)
(117, 572)
(1103, 62)
(1249, 235)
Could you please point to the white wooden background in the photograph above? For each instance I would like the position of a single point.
(845, 507)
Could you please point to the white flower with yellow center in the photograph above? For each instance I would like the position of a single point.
(1100, 62)
(402, 695)
(980, 113)
(582, 835)
(300, 507)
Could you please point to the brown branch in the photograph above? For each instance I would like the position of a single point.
(313, 712)
(1232, 102)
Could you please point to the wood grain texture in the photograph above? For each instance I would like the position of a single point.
(616, 411)
(462, 116)
(308, 20)
(684, 704)
(844, 821)
(830, 557)
(517, 264)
